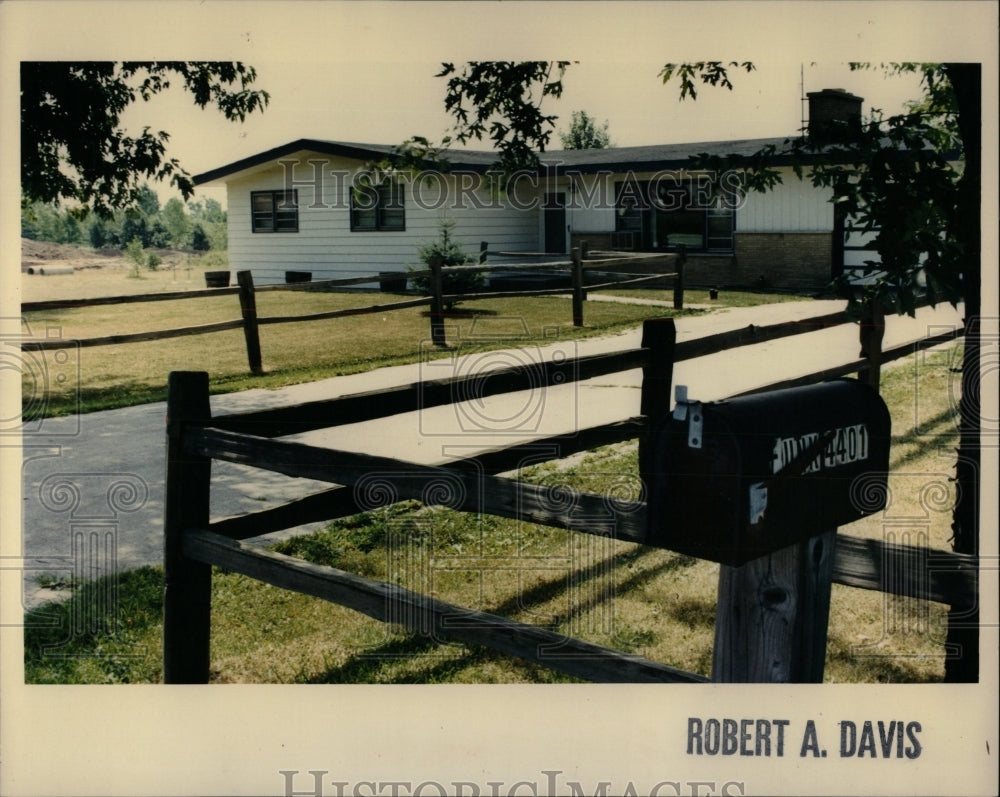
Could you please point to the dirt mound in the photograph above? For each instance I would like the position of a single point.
(47, 250)
(39, 254)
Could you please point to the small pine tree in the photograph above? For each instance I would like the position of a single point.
(451, 254)
(134, 252)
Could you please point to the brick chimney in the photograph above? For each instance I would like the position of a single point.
(834, 115)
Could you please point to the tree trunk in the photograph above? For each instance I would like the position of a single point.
(963, 622)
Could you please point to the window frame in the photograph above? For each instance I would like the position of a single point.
(277, 198)
(390, 198)
(642, 218)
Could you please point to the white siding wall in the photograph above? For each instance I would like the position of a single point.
(325, 244)
(793, 206)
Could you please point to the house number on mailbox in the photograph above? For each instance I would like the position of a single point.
(848, 444)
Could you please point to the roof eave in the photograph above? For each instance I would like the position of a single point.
(334, 148)
(300, 145)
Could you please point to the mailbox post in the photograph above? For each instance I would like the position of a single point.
(760, 484)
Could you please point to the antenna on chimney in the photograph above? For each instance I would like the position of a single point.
(802, 97)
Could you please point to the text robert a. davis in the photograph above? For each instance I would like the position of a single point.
(778, 738)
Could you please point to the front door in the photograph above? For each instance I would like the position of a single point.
(554, 214)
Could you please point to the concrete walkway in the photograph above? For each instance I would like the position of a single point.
(93, 484)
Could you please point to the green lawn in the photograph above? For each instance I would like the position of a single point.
(105, 377)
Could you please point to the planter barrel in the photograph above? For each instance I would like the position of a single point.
(216, 279)
(391, 282)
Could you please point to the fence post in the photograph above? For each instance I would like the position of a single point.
(679, 279)
(248, 307)
(483, 251)
(578, 293)
(871, 332)
(437, 305)
(187, 585)
(659, 335)
(772, 615)
(584, 250)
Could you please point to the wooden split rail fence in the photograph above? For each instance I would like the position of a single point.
(194, 542)
(578, 267)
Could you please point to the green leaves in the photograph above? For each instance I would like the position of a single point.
(501, 101)
(711, 73)
(897, 179)
(73, 146)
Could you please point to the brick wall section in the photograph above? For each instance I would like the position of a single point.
(712, 271)
(787, 261)
(781, 261)
(595, 240)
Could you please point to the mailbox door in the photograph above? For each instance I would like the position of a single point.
(696, 498)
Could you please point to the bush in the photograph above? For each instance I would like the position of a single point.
(213, 259)
(451, 254)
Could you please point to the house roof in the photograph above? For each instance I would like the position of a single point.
(657, 156)
(345, 149)
(615, 159)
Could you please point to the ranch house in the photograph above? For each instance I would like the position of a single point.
(319, 206)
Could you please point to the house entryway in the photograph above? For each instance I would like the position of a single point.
(554, 214)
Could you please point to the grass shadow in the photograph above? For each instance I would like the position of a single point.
(931, 437)
(361, 667)
(887, 668)
(100, 621)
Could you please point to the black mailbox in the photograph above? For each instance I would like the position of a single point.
(733, 480)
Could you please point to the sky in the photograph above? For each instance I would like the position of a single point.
(380, 102)
(366, 71)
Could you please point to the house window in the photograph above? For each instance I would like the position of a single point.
(377, 207)
(665, 214)
(274, 211)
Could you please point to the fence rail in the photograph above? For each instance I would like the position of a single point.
(250, 322)
(193, 543)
